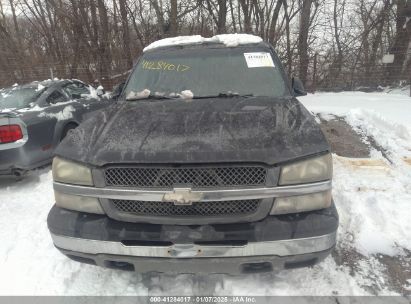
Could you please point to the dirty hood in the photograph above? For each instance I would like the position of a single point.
(255, 129)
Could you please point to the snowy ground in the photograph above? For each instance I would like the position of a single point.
(373, 254)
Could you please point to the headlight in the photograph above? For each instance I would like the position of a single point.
(301, 203)
(315, 169)
(78, 203)
(69, 172)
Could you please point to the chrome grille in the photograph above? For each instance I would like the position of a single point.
(223, 208)
(195, 177)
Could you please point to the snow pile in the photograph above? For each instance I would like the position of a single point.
(229, 40)
(232, 40)
(93, 92)
(373, 204)
(396, 109)
(138, 95)
(64, 114)
(392, 136)
(100, 90)
(405, 90)
(186, 94)
(7, 110)
(4, 94)
(40, 87)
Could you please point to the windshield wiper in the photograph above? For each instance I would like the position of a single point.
(224, 95)
(151, 96)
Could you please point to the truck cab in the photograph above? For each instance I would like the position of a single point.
(206, 164)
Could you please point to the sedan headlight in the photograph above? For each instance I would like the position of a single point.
(69, 172)
(315, 169)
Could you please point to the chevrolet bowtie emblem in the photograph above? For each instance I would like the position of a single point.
(182, 197)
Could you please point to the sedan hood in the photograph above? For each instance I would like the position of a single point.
(237, 129)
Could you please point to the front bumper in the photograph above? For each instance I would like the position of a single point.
(275, 242)
(14, 160)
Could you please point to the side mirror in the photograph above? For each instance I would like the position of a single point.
(298, 87)
(117, 90)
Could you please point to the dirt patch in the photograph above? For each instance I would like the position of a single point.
(344, 141)
(398, 270)
(376, 164)
(407, 160)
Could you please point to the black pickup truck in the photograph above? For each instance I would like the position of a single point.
(207, 163)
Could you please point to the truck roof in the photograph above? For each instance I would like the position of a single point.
(229, 40)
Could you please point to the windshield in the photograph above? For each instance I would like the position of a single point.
(18, 98)
(208, 72)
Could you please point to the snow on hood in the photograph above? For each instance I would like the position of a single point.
(229, 40)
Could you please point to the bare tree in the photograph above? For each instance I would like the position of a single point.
(401, 42)
(303, 39)
(98, 39)
(126, 33)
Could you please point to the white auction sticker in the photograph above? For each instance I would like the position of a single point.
(258, 59)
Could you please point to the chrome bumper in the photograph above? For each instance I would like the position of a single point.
(193, 195)
(281, 248)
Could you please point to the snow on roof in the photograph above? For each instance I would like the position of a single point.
(229, 40)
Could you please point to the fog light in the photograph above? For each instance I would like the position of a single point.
(78, 203)
(301, 203)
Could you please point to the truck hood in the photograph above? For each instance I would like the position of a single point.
(237, 129)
